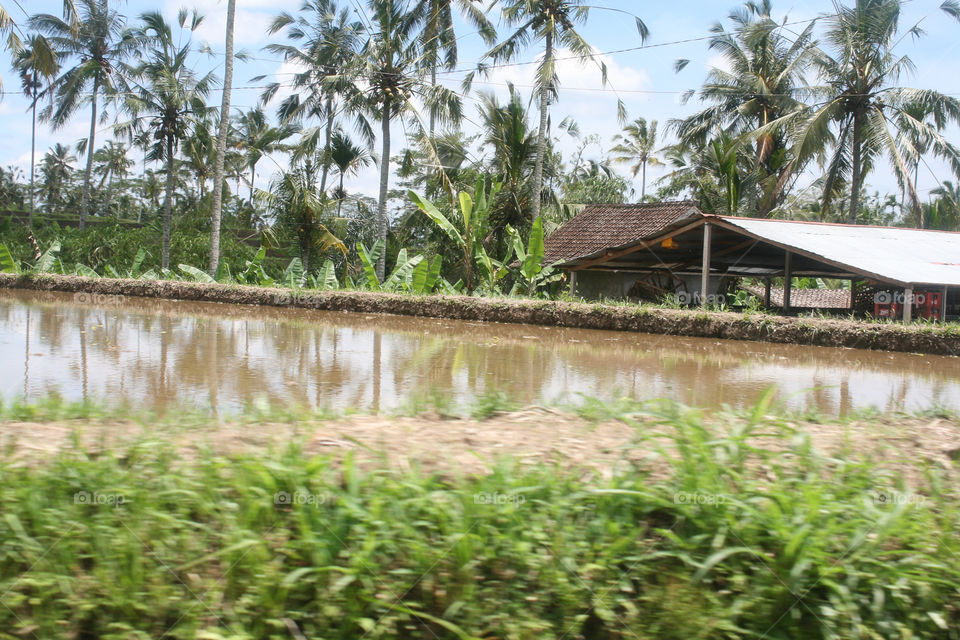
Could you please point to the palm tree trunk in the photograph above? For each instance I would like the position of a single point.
(328, 135)
(643, 181)
(91, 139)
(856, 173)
(433, 115)
(542, 133)
(33, 152)
(384, 185)
(222, 143)
(341, 194)
(168, 206)
(253, 176)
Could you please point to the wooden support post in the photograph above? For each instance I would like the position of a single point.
(705, 266)
(766, 292)
(908, 304)
(943, 305)
(573, 282)
(787, 281)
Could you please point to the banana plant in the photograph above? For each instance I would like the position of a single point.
(294, 276)
(132, 272)
(326, 278)
(7, 262)
(531, 272)
(470, 230)
(253, 272)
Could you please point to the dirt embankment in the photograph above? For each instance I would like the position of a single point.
(919, 338)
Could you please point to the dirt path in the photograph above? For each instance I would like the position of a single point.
(917, 338)
(904, 446)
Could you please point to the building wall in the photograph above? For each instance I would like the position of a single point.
(614, 285)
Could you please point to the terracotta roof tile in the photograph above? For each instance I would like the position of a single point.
(806, 298)
(606, 226)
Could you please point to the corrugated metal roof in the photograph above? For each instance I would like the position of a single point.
(910, 256)
(604, 226)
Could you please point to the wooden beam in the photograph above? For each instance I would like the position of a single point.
(705, 265)
(619, 253)
(943, 305)
(573, 282)
(787, 280)
(766, 292)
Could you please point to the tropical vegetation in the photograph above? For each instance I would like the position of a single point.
(819, 105)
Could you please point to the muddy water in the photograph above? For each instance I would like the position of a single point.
(162, 353)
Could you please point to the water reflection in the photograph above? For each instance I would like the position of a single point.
(159, 353)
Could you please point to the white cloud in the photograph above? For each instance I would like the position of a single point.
(250, 23)
(718, 62)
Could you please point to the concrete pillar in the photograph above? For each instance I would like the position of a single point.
(787, 281)
(573, 283)
(705, 265)
(943, 305)
(908, 304)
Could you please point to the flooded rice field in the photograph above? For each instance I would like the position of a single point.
(162, 353)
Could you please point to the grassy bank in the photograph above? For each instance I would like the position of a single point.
(917, 338)
(136, 540)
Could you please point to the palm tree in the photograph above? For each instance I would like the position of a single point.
(552, 22)
(324, 41)
(514, 151)
(868, 111)
(222, 135)
(99, 44)
(391, 69)
(113, 163)
(200, 152)
(348, 158)
(13, 43)
(258, 138)
(36, 64)
(637, 144)
(57, 175)
(766, 82)
(294, 201)
(439, 40)
(168, 97)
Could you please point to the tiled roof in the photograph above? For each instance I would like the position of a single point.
(806, 298)
(606, 226)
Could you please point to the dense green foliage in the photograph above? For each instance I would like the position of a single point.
(732, 541)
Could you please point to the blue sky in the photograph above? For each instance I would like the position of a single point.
(644, 78)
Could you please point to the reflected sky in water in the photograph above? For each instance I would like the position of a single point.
(160, 353)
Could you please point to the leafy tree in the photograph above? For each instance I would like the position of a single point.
(324, 41)
(512, 148)
(553, 23)
(766, 82)
(222, 134)
(168, 97)
(294, 201)
(637, 146)
(56, 172)
(348, 158)
(36, 64)
(257, 138)
(439, 41)
(112, 162)
(97, 45)
(390, 65)
(862, 113)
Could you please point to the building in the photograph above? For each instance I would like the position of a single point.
(674, 249)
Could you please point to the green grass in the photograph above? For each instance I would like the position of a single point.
(735, 541)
